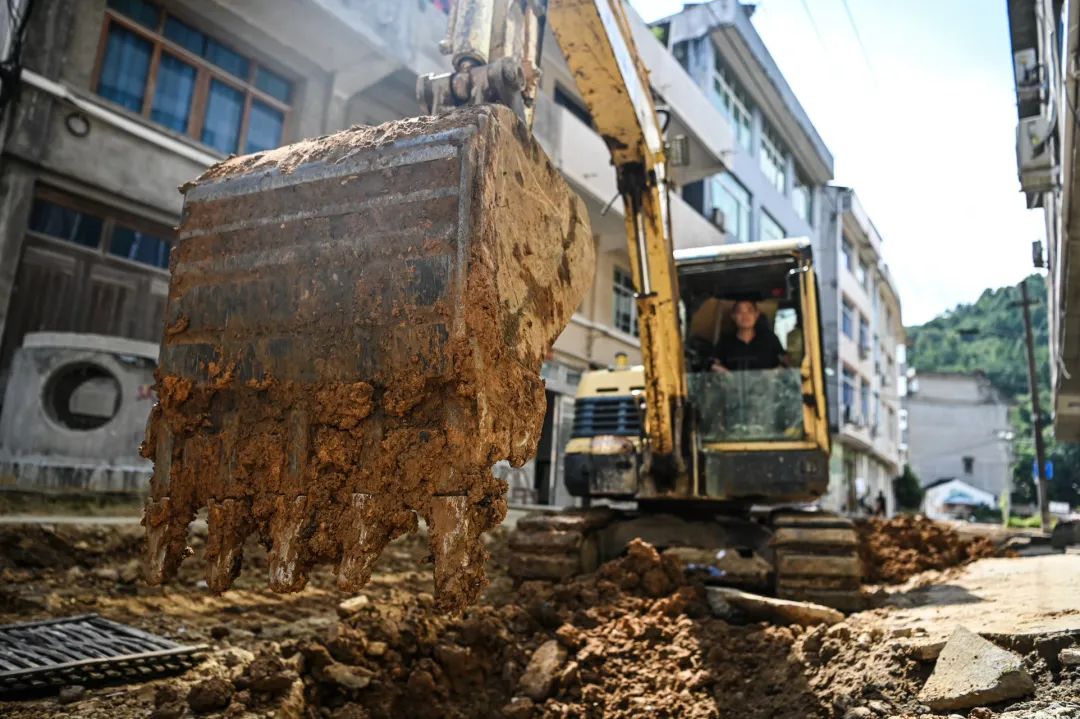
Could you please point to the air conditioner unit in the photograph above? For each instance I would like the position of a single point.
(719, 219)
(1035, 154)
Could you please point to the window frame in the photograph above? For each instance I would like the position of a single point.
(729, 185)
(733, 103)
(802, 188)
(205, 72)
(111, 217)
(767, 218)
(847, 318)
(771, 150)
(624, 290)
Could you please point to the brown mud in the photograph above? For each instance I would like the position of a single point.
(894, 550)
(356, 328)
(634, 639)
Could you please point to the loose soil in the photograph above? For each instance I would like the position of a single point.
(356, 325)
(633, 639)
(894, 550)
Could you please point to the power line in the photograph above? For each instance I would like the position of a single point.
(858, 37)
(813, 24)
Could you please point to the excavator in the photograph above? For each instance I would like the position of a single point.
(356, 323)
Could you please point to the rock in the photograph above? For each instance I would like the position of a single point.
(858, 713)
(352, 605)
(1052, 710)
(71, 694)
(926, 651)
(518, 708)
(348, 677)
(375, 649)
(971, 672)
(131, 572)
(1069, 657)
(210, 695)
(880, 707)
(538, 680)
(235, 657)
(108, 574)
(219, 631)
(782, 611)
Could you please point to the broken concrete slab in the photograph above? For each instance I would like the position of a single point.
(538, 681)
(973, 672)
(1069, 657)
(726, 602)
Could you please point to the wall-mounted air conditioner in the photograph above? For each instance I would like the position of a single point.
(1035, 154)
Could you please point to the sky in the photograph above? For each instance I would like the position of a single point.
(921, 121)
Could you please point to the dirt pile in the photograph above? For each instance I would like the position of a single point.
(893, 550)
(356, 325)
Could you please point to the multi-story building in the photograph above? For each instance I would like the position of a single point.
(775, 185)
(773, 181)
(864, 342)
(1047, 134)
(959, 430)
(123, 101)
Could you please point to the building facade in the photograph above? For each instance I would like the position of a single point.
(123, 101)
(864, 341)
(1047, 134)
(776, 185)
(959, 429)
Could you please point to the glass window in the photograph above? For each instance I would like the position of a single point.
(847, 320)
(125, 68)
(864, 400)
(224, 111)
(730, 99)
(773, 161)
(191, 63)
(770, 229)
(849, 255)
(264, 128)
(625, 307)
(273, 84)
(802, 198)
(860, 272)
(731, 198)
(864, 334)
(848, 391)
(64, 223)
(139, 247)
(748, 405)
(172, 93)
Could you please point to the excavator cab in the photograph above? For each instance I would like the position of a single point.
(754, 433)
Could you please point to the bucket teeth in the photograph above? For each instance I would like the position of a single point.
(227, 526)
(287, 527)
(166, 541)
(369, 532)
(459, 557)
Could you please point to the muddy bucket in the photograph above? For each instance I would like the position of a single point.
(355, 328)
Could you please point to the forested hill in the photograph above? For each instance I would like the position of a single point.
(986, 335)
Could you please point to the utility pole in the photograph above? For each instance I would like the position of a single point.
(1036, 412)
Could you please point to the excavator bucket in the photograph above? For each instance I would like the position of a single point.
(355, 328)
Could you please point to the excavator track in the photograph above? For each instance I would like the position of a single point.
(554, 546)
(817, 559)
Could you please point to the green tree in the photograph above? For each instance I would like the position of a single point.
(908, 490)
(988, 335)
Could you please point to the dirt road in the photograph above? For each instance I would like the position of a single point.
(635, 639)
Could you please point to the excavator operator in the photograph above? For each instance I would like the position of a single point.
(751, 346)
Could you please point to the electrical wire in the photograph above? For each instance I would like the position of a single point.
(858, 38)
(813, 24)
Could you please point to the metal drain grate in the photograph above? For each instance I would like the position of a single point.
(86, 649)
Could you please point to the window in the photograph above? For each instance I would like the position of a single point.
(864, 400)
(848, 392)
(847, 320)
(94, 231)
(625, 306)
(770, 230)
(730, 99)
(877, 411)
(864, 336)
(158, 66)
(849, 255)
(802, 198)
(772, 160)
(860, 273)
(562, 97)
(969, 465)
(731, 198)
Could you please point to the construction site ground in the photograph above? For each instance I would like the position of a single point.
(635, 639)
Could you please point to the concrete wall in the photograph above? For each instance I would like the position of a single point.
(952, 416)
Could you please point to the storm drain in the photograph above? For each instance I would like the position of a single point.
(86, 650)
